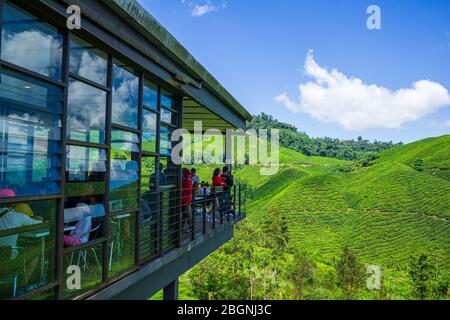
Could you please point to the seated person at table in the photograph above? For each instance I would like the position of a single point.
(25, 209)
(81, 233)
(10, 219)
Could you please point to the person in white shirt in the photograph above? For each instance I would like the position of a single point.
(80, 235)
(11, 220)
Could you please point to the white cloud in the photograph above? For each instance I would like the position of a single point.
(332, 96)
(200, 8)
(447, 124)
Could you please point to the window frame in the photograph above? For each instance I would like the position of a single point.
(143, 74)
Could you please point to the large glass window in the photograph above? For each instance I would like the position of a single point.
(168, 108)
(150, 95)
(166, 141)
(167, 100)
(85, 188)
(148, 175)
(149, 130)
(30, 43)
(87, 112)
(149, 209)
(30, 134)
(86, 165)
(170, 219)
(27, 247)
(90, 261)
(168, 172)
(125, 96)
(122, 247)
(124, 171)
(87, 61)
(31, 160)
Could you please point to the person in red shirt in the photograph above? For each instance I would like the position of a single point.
(187, 200)
(217, 180)
(217, 188)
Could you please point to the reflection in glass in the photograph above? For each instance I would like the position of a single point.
(168, 106)
(43, 296)
(125, 97)
(122, 243)
(85, 171)
(89, 260)
(167, 100)
(168, 174)
(149, 209)
(149, 129)
(87, 112)
(149, 237)
(84, 209)
(87, 61)
(83, 219)
(168, 116)
(124, 171)
(27, 247)
(165, 141)
(27, 92)
(29, 43)
(30, 135)
(150, 95)
(170, 220)
(148, 177)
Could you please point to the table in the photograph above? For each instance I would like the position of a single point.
(119, 219)
(41, 234)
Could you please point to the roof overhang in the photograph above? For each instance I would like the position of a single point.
(196, 75)
(194, 112)
(131, 31)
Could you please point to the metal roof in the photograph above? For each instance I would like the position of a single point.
(157, 33)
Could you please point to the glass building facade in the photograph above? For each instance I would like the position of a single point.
(86, 176)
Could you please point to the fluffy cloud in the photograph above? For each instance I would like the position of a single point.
(331, 96)
(200, 8)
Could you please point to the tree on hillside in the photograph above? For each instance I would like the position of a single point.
(292, 138)
(428, 283)
(418, 165)
(276, 230)
(350, 273)
(302, 273)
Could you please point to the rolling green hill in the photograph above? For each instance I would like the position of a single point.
(385, 212)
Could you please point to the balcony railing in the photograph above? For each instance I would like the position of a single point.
(170, 218)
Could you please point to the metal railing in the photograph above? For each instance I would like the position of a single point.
(169, 218)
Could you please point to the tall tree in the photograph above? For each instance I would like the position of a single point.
(350, 273)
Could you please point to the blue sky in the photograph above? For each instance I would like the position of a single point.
(257, 50)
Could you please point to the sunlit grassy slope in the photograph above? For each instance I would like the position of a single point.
(386, 212)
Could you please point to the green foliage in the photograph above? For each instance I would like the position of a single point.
(418, 164)
(302, 269)
(291, 138)
(276, 229)
(427, 281)
(350, 273)
(290, 246)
